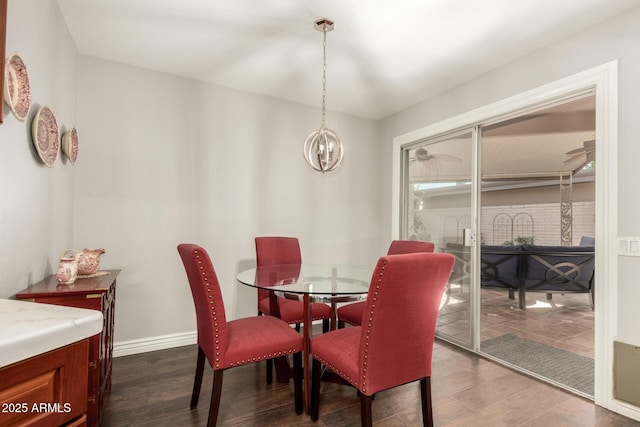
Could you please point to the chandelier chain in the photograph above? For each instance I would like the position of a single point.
(324, 72)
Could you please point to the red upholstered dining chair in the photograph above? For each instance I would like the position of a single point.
(226, 344)
(394, 346)
(275, 250)
(352, 313)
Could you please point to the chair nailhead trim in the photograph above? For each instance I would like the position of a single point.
(196, 255)
(337, 371)
(264, 357)
(368, 331)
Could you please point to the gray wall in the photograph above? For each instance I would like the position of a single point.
(36, 209)
(165, 160)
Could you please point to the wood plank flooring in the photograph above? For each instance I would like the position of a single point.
(154, 389)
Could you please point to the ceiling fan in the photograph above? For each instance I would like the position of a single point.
(424, 165)
(588, 150)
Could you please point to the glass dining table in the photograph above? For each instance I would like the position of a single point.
(331, 284)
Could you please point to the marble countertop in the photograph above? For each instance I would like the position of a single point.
(28, 329)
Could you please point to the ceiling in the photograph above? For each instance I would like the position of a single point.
(382, 57)
(542, 144)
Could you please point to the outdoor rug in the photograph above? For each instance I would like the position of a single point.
(569, 369)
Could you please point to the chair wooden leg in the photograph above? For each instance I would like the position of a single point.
(340, 324)
(315, 390)
(197, 382)
(269, 371)
(366, 419)
(325, 326)
(215, 397)
(427, 409)
(269, 363)
(283, 370)
(297, 382)
(298, 327)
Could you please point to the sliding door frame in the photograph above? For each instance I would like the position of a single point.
(603, 80)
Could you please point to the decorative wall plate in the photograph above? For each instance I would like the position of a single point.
(70, 144)
(17, 93)
(46, 135)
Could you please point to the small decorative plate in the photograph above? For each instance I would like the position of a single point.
(46, 136)
(17, 93)
(70, 144)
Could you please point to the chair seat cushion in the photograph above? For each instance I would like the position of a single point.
(291, 311)
(351, 313)
(339, 351)
(258, 338)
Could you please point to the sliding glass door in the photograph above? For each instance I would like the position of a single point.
(438, 189)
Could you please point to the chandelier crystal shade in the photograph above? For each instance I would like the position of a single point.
(323, 150)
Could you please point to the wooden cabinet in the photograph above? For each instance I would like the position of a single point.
(46, 390)
(97, 293)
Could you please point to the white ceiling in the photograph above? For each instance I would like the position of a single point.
(383, 56)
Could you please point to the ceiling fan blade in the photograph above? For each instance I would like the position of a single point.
(587, 146)
(575, 157)
(576, 151)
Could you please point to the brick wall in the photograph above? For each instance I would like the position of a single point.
(445, 225)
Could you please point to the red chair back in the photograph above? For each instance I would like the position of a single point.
(401, 310)
(274, 250)
(207, 299)
(398, 247)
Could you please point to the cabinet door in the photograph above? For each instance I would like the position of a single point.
(50, 389)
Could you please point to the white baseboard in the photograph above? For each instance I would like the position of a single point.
(144, 345)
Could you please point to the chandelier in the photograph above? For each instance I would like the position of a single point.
(322, 149)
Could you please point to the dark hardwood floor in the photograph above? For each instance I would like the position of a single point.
(154, 389)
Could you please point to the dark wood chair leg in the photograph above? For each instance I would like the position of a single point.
(325, 326)
(215, 397)
(315, 390)
(283, 370)
(298, 327)
(197, 382)
(269, 364)
(297, 382)
(269, 371)
(340, 324)
(427, 409)
(365, 411)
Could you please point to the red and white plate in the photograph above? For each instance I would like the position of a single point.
(70, 144)
(17, 93)
(46, 135)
